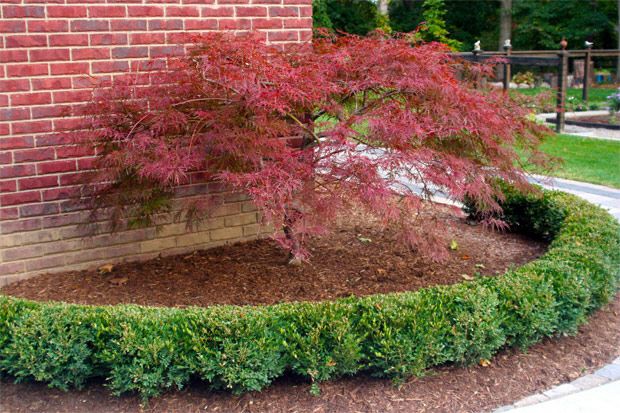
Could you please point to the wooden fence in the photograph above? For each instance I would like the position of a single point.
(551, 58)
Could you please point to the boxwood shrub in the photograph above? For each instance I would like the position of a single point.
(150, 350)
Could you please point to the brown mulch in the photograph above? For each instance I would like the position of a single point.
(510, 377)
(359, 258)
(602, 119)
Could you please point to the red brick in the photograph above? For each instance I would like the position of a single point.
(78, 178)
(48, 26)
(147, 38)
(12, 114)
(283, 12)
(167, 24)
(72, 96)
(8, 186)
(165, 51)
(303, 23)
(202, 24)
(129, 52)
(90, 53)
(145, 11)
(128, 25)
(74, 151)
(85, 164)
(68, 40)
(34, 210)
(21, 225)
(8, 56)
(38, 182)
(31, 127)
(108, 39)
(251, 11)
(51, 83)
(26, 40)
(17, 198)
(282, 36)
(6, 214)
(18, 12)
(266, 24)
(39, 112)
(12, 26)
(66, 11)
(54, 194)
(69, 68)
(6, 157)
(90, 25)
(234, 24)
(39, 98)
(106, 11)
(24, 70)
(49, 55)
(44, 168)
(14, 85)
(14, 171)
(110, 66)
(218, 12)
(52, 139)
(182, 11)
(18, 142)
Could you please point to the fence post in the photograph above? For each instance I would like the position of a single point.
(586, 72)
(507, 74)
(561, 94)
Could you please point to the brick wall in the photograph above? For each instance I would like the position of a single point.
(51, 54)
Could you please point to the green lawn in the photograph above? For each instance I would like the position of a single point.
(585, 159)
(597, 95)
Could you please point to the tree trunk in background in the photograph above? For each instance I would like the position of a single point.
(383, 7)
(505, 22)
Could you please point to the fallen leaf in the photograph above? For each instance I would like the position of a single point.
(106, 269)
(484, 362)
(364, 240)
(467, 277)
(465, 257)
(381, 271)
(479, 266)
(454, 245)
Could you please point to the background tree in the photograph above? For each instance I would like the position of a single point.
(349, 16)
(505, 22)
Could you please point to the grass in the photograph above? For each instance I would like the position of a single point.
(585, 159)
(596, 95)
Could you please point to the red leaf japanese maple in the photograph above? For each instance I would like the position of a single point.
(307, 132)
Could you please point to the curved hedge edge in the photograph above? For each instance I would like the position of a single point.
(395, 335)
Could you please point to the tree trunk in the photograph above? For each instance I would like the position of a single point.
(618, 30)
(505, 22)
(383, 7)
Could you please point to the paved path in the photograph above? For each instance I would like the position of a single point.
(608, 198)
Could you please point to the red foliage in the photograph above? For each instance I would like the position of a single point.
(374, 113)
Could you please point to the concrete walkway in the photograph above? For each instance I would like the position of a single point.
(603, 196)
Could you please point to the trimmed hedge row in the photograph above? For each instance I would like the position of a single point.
(394, 335)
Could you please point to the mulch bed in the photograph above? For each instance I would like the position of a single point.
(597, 121)
(359, 258)
(511, 376)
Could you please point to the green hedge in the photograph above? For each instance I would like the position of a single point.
(149, 350)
